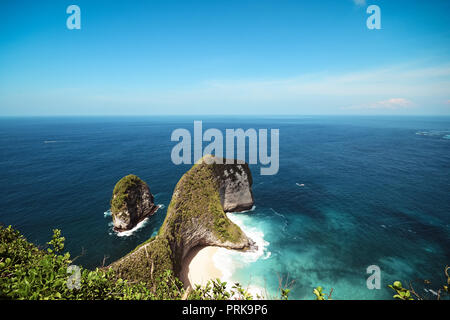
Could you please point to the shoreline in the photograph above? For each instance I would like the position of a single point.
(198, 267)
(149, 214)
(204, 263)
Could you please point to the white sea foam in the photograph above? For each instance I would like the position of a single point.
(228, 261)
(253, 233)
(267, 255)
(128, 233)
(433, 133)
(54, 141)
(249, 210)
(283, 217)
(278, 214)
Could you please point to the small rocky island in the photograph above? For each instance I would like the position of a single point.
(195, 217)
(131, 203)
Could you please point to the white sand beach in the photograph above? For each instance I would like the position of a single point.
(198, 267)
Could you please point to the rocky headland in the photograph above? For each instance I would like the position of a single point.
(195, 217)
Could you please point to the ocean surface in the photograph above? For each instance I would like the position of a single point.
(351, 192)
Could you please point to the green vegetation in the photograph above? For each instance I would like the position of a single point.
(29, 273)
(216, 290)
(120, 193)
(320, 295)
(402, 293)
(147, 263)
(143, 243)
(195, 207)
(196, 198)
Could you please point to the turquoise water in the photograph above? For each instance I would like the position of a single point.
(351, 192)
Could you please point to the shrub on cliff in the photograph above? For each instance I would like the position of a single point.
(29, 273)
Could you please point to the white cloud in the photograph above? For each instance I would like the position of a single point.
(360, 2)
(392, 104)
(382, 90)
(387, 90)
(397, 81)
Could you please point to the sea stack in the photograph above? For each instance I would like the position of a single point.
(131, 203)
(197, 211)
(195, 217)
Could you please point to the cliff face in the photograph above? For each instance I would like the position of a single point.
(196, 214)
(131, 202)
(195, 217)
(235, 186)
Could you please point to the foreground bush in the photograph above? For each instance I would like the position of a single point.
(29, 273)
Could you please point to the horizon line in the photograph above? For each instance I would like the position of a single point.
(225, 115)
(220, 115)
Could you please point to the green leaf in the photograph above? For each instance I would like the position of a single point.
(397, 285)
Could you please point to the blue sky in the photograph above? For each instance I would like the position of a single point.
(224, 57)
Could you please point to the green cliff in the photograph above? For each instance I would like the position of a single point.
(131, 203)
(195, 217)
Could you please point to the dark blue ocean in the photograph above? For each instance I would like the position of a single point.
(376, 191)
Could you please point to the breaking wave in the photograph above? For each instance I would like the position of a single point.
(127, 233)
(228, 261)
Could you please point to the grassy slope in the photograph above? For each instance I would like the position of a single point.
(197, 197)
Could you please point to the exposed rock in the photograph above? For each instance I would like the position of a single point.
(195, 217)
(131, 203)
(235, 184)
